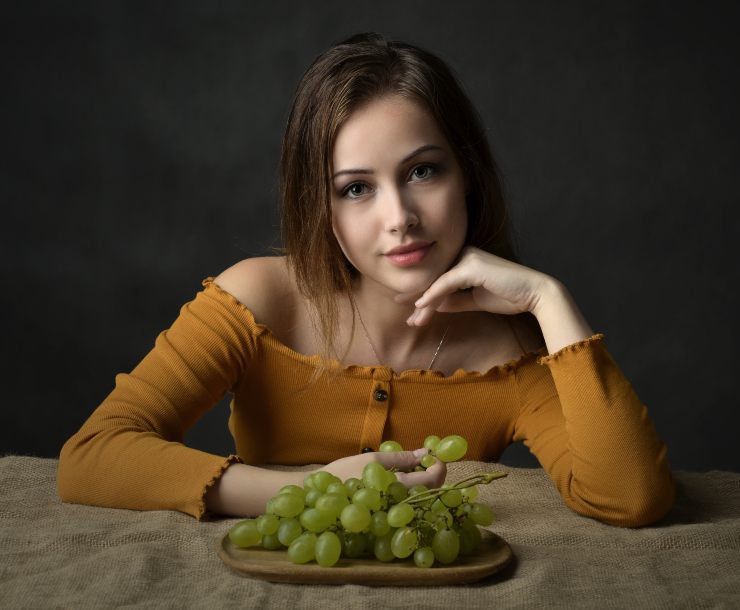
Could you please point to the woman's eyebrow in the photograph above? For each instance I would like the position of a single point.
(411, 155)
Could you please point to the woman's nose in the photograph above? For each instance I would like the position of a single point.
(398, 211)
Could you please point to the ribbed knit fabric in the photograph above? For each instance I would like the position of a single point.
(574, 409)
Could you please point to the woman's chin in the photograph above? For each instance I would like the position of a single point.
(403, 281)
(413, 285)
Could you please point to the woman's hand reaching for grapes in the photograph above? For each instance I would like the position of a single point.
(402, 461)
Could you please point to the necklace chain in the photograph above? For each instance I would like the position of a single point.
(372, 347)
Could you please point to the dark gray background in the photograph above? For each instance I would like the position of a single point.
(139, 154)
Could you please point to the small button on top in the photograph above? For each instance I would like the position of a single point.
(380, 395)
(366, 450)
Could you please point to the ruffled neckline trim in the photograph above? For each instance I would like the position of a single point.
(372, 371)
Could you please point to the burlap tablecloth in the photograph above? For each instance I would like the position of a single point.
(57, 555)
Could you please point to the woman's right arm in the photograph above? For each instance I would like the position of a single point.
(130, 451)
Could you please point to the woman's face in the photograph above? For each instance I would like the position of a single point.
(396, 182)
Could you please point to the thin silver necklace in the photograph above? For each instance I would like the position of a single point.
(372, 347)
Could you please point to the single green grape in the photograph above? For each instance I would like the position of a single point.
(400, 515)
(292, 489)
(390, 446)
(451, 448)
(323, 479)
(417, 489)
(289, 530)
(404, 542)
(481, 514)
(271, 542)
(438, 506)
(398, 491)
(332, 504)
(328, 549)
(379, 523)
(338, 488)
(470, 493)
(367, 497)
(428, 461)
(355, 517)
(303, 548)
(452, 498)
(382, 547)
(446, 546)
(431, 442)
(267, 524)
(424, 557)
(245, 534)
(312, 495)
(287, 505)
(355, 544)
(352, 484)
(470, 538)
(315, 520)
(374, 476)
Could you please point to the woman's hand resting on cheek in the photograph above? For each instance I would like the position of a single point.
(480, 281)
(352, 466)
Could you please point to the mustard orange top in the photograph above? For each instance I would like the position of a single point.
(574, 410)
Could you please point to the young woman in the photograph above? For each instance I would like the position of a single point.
(399, 310)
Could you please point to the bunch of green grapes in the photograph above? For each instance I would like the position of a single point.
(375, 516)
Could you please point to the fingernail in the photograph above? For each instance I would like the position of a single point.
(421, 452)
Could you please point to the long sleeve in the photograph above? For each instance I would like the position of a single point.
(593, 436)
(129, 453)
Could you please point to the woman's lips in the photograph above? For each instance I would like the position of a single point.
(406, 259)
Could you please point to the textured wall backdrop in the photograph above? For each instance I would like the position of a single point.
(139, 154)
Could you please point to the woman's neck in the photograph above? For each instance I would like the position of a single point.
(381, 322)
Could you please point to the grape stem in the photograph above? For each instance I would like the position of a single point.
(477, 479)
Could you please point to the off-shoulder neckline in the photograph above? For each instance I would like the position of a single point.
(498, 370)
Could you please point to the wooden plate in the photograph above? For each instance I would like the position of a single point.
(274, 566)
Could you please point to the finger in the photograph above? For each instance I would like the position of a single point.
(462, 300)
(438, 472)
(415, 319)
(432, 477)
(402, 460)
(447, 283)
(422, 316)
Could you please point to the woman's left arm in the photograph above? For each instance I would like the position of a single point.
(594, 437)
(590, 431)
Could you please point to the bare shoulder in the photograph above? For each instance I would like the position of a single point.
(263, 284)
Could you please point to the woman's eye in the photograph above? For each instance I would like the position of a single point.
(426, 171)
(354, 190)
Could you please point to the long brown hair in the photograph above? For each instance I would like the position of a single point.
(340, 80)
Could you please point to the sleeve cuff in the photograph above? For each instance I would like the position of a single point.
(202, 513)
(570, 349)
